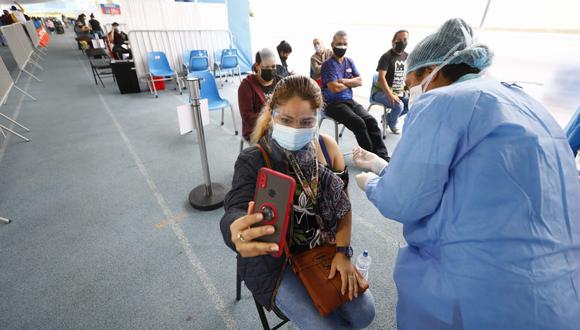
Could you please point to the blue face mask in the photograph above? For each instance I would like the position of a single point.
(291, 138)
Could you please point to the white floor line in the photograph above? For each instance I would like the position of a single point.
(15, 117)
(196, 264)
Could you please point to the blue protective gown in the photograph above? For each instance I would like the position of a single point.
(486, 188)
(573, 132)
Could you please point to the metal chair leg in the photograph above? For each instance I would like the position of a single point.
(238, 279)
(341, 131)
(94, 75)
(100, 79)
(241, 145)
(336, 130)
(263, 318)
(177, 84)
(234, 120)
(385, 123)
(153, 85)
(222, 117)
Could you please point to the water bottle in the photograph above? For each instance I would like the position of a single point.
(363, 263)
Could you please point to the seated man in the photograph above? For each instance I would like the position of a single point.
(320, 55)
(390, 86)
(339, 76)
(96, 26)
(119, 39)
(284, 50)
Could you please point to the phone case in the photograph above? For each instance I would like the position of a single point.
(273, 198)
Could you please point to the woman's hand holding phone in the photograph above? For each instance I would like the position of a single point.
(243, 235)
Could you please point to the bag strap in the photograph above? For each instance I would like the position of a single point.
(325, 151)
(264, 155)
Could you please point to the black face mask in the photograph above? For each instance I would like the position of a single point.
(400, 46)
(339, 52)
(267, 74)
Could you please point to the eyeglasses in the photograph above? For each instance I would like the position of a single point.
(286, 120)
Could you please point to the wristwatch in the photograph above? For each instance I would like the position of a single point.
(346, 250)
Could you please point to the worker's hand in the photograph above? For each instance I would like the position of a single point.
(368, 161)
(243, 235)
(363, 178)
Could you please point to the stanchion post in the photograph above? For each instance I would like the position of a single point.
(208, 196)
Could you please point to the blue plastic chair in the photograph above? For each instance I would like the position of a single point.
(229, 62)
(159, 67)
(372, 103)
(198, 60)
(209, 91)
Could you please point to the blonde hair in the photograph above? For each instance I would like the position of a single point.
(296, 85)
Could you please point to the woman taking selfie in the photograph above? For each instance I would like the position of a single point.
(286, 133)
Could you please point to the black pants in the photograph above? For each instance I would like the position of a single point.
(361, 123)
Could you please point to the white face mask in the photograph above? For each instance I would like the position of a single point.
(291, 138)
(414, 94)
(416, 91)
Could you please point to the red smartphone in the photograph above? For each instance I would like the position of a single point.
(273, 198)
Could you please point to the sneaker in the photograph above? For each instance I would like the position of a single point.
(394, 129)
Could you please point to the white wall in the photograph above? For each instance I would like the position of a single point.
(167, 15)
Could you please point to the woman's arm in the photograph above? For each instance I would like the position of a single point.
(338, 164)
(344, 230)
(239, 217)
(242, 192)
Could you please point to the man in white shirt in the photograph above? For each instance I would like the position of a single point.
(18, 14)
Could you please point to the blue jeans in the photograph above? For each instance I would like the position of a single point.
(293, 300)
(397, 109)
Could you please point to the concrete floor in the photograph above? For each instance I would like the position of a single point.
(102, 235)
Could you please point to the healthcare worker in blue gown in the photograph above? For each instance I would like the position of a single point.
(486, 188)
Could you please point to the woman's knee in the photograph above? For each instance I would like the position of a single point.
(363, 311)
(368, 311)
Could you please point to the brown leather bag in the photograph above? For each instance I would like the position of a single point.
(313, 267)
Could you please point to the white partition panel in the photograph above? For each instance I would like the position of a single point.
(18, 42)
(5, 82)
(32, 32)
(175, 43)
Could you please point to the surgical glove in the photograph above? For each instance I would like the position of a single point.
(368, 161)
(363, 178)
